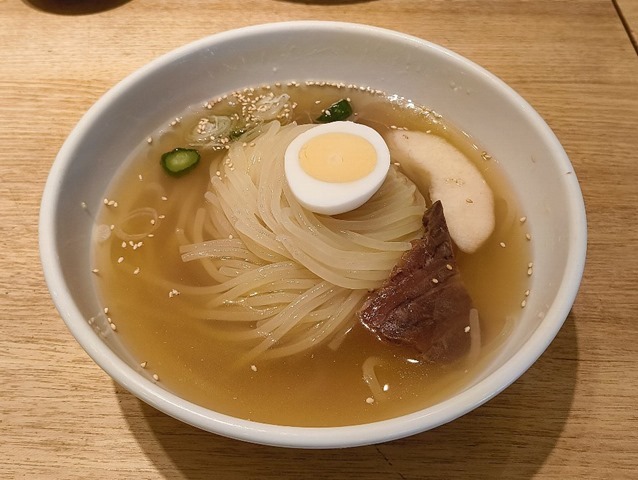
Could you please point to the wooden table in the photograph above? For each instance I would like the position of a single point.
(574, 414)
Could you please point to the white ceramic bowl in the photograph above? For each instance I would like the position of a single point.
(467, 95)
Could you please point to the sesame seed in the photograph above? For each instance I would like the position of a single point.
(106, 201)
(523, 303)
(149, 140)
(522, 219)
(136, 271)
(156, 377)
(369, 400)
(120, 260)
(150, 235)
(528, 236)
(530, 265)
(161, 216)
(448, 266)
(112, 227)
(386, 387)
(123, 244)
(152, 221)
(106, 310)
(140, 177)
(502, 244)
(164, 198)
(113, 327)
(434, 280)
(95, 270)
(143, 364)
(467, 329)
(529, 272)
(469, 200)
(527, 293)
(253, 368)
(230, 237)
(173, 293)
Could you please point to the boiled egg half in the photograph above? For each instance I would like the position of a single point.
(336, 167)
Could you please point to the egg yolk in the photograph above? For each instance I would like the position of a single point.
(337, 157)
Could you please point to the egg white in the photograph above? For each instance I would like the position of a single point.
(330, 198)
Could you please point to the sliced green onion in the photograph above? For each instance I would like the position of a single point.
(336, 112)
(179, 161)
(211, 132)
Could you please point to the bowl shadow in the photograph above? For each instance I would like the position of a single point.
(328, 2)
(74, 7)
(511, 436)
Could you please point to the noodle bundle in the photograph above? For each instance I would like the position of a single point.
(283, 278)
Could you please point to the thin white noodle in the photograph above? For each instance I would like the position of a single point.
(475, 337)
(250, 281)
(339, 337)
(344, 259)
(322, 330)
(217, 217)
(152, 222)
(371, 379)
(237, 314)
(285, 279)
(289, 318)
(335, 277)
(373, 243)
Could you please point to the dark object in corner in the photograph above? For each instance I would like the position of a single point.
(424, 304)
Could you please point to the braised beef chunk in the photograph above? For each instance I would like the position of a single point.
(423, 304)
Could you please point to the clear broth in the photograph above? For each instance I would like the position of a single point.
(323, 387)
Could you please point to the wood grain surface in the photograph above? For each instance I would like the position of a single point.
(572, 415)
(628, 13)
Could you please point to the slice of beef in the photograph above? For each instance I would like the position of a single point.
(424, 304)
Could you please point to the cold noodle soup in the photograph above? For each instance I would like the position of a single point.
(235, 296)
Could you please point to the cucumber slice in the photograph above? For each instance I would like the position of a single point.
(179, 161)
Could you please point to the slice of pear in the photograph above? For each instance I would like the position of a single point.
(439, 168)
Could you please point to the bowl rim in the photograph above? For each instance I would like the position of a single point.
(309, 437)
